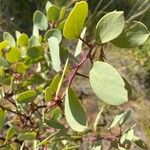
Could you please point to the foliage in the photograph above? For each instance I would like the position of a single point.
(38, 106)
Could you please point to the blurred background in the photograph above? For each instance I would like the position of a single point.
(134, 63)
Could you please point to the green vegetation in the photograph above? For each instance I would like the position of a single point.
(39, 107)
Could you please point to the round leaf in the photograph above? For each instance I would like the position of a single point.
(74, 112)
(53, 13)
(107, 84)
(27, 96)
(110, 26)
(55, 33)
(7, 36)
(134, 35)
(40, 20)
(23, 40)
(75, 21)
(13, 55)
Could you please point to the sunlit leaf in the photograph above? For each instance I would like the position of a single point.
(110, 26)
(74, 112)
(107, 84)
(40, 20)
(54, 52)
(23, 39)
(26, 97)
(50, 91)
(134, 35)
(13, 55)
(10, 133)
(7, 36)
(33, 41)
(75, 21)
(78, 49)
(55, 33)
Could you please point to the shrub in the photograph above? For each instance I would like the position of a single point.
(39, 108)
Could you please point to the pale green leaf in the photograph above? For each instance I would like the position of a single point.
(107, 84)
(33, 41)
(3, 62)
(54, 124)
(27, 96)
(48, 5)
(133, 36)
(10, 133)
(23, 39)
(55, 54)
(53, 13)
(13, 55)
(17, 33)
(75, 21)
(55, 33)
(98, 118)
(97, 147)
(74, 112)
(79, 44)
(40, 20)
(50, 91)
(7, 36)
(27, 136)
(110, 26)
(35, 31)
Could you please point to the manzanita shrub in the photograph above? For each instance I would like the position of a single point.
(39, 108)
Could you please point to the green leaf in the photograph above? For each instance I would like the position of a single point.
(35, 79)
(62, 13)
(79, 44)
(98, 118)
(35, 52)
(23, 39)
(55, 54)
(40, 20)
(61, 25)
(140, 143)
(7, 36)
(17, 33)
(35, 31)
(33, 41)
(110, 26)
(107, 84)
(27, 136)
(120, 119)
(48, 5)
(55, 33)
(4, 63)
(50, 91)
(56, 113)
(54, 124)
(2, 118)
(13, 55)
(10, 133)
(53, 13)
(97, 148)
(4, 44)
(21, 67)
(75, 21)
(74, 112)
(133, 36)
(27, 96)
(128, 136)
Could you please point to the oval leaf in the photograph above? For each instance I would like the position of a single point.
(74, 112)
(75, 21)
(40, 20)
(23, 39)
(55, 54)
(7, 36)
(55, 33)
(110, 26)
(107, 84)
(50, 91)
(53, 13)
(134, 35)
(27, 96)
(13, 55)
(27, 136)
